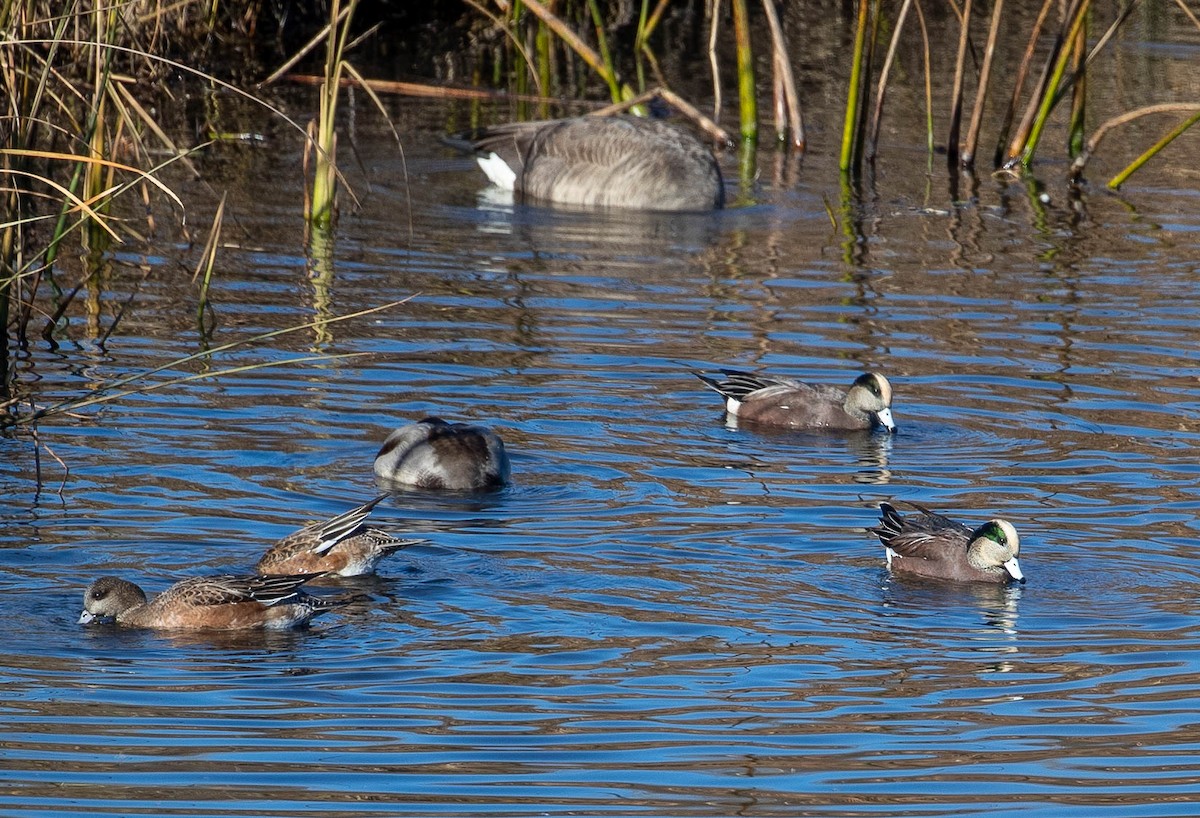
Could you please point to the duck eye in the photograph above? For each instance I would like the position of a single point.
(870, 383)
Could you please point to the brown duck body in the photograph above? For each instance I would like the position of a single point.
(344, 546)
(790, 403)
(932, 545)
(434, 454)
(201, 603)
(605, 162)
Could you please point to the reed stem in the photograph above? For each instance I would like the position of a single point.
(1075, 136)
(788, 101)
(981, 93)
(1050, 88)
(323, 204)
(747, 98)
(1003, 156)
(1153, 151)
(848, 161)
(953, 148)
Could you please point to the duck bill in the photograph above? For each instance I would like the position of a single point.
(884, 417)
(1014, 570)
(87, 618)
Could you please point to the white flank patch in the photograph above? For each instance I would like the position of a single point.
(890, 555)
(732, 405)
(497, 171)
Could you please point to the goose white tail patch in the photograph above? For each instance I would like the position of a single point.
(497, 171)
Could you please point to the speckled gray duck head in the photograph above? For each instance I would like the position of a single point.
(434, 454)
(108, 598)
(773, 401)
(602, 162)
(932, 545)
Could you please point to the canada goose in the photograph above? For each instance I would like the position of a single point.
(596, 161)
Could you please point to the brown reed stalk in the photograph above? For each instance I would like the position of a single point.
(981, 92)
(787, 100)
(1114, 122)
(953, 148)
(1061, 56)
(597, 62)
(885, 72)
(1001, 156)
(713, 62)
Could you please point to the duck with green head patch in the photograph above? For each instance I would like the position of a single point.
(867, 404)
(932, 545)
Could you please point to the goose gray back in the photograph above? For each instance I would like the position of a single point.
(603, 162)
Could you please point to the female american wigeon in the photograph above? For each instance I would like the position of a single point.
(786, 402)
(935, 546)
(434, 454)
(200, 603)
(344, 546)
(602, 161)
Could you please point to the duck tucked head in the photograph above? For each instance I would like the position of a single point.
(109, 597)
(871, 395)
(994, 547)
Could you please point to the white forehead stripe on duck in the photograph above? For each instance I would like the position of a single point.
(1010, 532)
(885, 389)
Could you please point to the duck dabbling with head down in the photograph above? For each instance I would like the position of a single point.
(344, 546)
(624, 162)
(434, 454)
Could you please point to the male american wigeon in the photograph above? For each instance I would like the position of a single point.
(201, 603)
(867, 404)
(344, 546)
(601, 161)
(434, 454)
(935, 546)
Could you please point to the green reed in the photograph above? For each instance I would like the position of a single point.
(321, 206)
